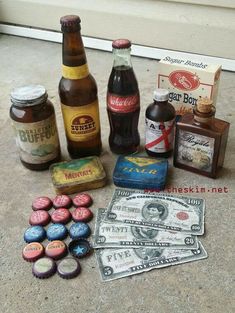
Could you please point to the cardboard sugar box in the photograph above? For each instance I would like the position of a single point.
(187, 81)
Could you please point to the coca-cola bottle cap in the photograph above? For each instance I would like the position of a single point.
(161, 94)
(121, 44)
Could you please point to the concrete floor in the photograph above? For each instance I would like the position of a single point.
(203, 286)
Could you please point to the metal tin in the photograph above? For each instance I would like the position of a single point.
(140, 172)
(78, 175)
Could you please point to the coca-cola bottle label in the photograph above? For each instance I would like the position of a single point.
(123, 104)
(159, 136)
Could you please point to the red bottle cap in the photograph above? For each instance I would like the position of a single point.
(40, 217)
(44, 268)
(68, 268)
(56, 249)
(82, 199)
(33, 251)
(82, 214)
(42, 203)
(121, 44)
(62, 201)
(61, 215)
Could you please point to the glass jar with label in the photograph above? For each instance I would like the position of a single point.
(34, 123)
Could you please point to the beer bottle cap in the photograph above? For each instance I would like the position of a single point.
(35, 234)
(33, 251)
(70, 23)
(61, 215)
(42, 203)
(40, 217)
(44, 268)
(28, 95)
(68, 268)
(121, 44)
(82, 214)
(80, 248)
(62, 201)
(161, 94)
(82, 199)
(79, 230)
(56, 232)
(56, 249)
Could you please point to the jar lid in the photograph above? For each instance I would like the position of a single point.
(161, 94)
(121, 44)
(28, 95)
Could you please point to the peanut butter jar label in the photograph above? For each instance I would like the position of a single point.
(81, 122)
(37, 142)
(195, 150)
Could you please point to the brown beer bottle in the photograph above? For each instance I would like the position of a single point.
(78, 94)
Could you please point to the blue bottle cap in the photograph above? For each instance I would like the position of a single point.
(57, 232)
(35, 234)
(80, 248)
(79, 230)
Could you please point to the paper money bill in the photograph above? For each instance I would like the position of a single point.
(121, 235)
(118, 263)
(159, 211)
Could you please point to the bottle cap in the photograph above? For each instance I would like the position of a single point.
(82, 214)
(79, 230)
(33, 251)
(62, 201)
(56, 249)
(28, 95)
(40, 217)
(61, 215)
(70, 20)
(79, 248)
(44, 268)
(56, 232)
(82, 199)
(161, 94)
(42, 203)
(121, 44)
(35, 234)
(68, 268)
(204, 105)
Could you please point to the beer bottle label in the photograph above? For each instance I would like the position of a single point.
(123, 104)
(37, 142)
(159, 136)
(75, 72)
(81, 123)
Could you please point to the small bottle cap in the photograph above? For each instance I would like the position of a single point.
(70, 20)
(42, 203)
(40, 217)
(68, 268)
(61, 215)
(80, 248)
(62, 201)
(161, 94)
(33, 251)
(35, 234)
(44, 268)
(121, 44)
(56, 232)
(28, 95)
(82, 199)
(56, 249)
(82, 214)
(79, 230)
(204, 105)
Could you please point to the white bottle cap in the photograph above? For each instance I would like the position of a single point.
(161, 94)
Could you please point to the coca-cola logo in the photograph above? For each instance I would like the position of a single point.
(122, 104)
(184, 80)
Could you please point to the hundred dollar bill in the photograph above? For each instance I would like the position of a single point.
(121, 235)
(118, 263)
(159, 211)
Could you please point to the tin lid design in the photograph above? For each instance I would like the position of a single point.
(28, 95)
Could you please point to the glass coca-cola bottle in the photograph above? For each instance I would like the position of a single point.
(123, 101)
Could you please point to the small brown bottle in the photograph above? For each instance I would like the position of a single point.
(34, 123)
(159, 125)
(201, 140)
(78, 94)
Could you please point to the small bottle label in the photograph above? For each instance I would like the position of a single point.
(37, 142)
(75, 72)
(81, 123)
(159, 136)
(195, 150)
(121, 104)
